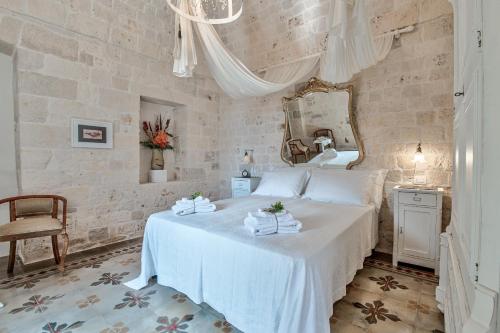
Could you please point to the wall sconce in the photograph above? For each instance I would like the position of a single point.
(248, 160)
(419, 155)
(419, 177)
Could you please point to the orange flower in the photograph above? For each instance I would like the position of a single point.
(161, 140)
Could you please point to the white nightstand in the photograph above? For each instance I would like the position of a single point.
(417, 226)
(242, 187)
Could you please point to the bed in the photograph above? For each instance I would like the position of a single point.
(281, 283)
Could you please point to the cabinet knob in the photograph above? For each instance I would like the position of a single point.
(400, 230)
(417, 199)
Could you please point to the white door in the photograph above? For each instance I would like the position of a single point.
(417, 232)
(468, 85)
(8, 177)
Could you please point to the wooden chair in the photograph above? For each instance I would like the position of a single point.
(324, 132)
(298, 148)
(34, 216)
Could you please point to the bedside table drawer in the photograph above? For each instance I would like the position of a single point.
(420, 199)
(241, 185)
(240, 193)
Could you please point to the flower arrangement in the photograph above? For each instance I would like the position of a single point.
(158, 136)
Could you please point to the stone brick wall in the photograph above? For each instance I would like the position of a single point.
(94, 59)
(402, 100)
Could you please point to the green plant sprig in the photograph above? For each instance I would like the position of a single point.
(196, 195)
(277, 207)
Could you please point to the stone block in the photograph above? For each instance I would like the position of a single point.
(119, 101)
(33, 108)
(430, 9)
(37, 159)
(45, 41)
(49, 11)
(55, 66)
(81, 6)
(137, 215)
(124, 39)
(34, 135)
(10, 30)
(99, 234)
(438, 28)
(37, 84)
(29, 60)
(86, 58)
(87, 25)
(119, 83)
(14, 5)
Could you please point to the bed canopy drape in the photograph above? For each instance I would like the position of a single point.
(350, 49)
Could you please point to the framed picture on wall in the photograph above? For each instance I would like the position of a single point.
(91, 134)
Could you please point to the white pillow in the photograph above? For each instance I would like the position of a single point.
(340, 186)
(286, 182)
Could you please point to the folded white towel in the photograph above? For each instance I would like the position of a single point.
(197, 201)
(262, 222)
(189, 206)
(258, 229)
(262, 217)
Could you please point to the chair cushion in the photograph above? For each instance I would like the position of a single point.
(29, 227)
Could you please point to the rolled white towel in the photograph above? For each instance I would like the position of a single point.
(183, 211)
(263, 217)
(197, 201)
(261, 222)
(189, 206)
(260, 230)
(269, 231)
(204, 206)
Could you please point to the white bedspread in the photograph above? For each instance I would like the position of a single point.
(285, 283)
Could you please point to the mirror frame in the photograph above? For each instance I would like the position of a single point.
(314, 85)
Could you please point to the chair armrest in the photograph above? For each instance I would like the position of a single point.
(32, 196)
(56, 198)
(64, 210)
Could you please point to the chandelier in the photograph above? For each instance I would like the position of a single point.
(208, 11)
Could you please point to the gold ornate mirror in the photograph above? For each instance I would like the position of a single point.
(320, 127)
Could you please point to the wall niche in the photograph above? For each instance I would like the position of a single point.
(150, 109)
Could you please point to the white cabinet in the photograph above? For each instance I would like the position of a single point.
(469, 276)
(417, 225)
(242, 187)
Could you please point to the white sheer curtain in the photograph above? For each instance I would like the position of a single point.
(239, 81)
(351, 46)
(230, 73)
(184, 50)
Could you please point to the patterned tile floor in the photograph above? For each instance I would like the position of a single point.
(90, 297)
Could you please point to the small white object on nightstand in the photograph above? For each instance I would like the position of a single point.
(417, 226)
(242, 187)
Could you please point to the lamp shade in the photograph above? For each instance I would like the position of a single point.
(419, 155)
(247, 159)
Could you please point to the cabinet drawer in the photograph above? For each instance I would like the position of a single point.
(420, 199)
(241, 185)
(240, 193)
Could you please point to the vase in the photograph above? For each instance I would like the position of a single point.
(157, 161)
